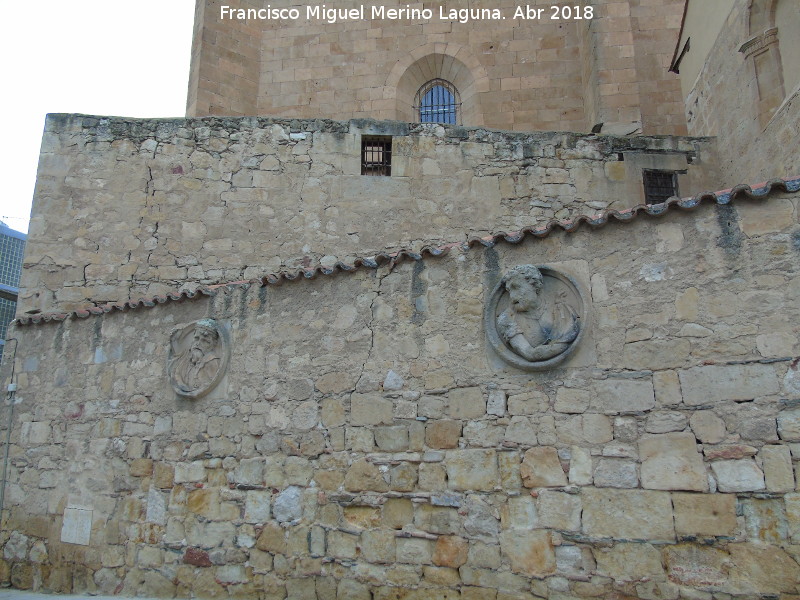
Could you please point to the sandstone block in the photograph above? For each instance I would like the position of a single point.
(397, 512)
(370, 409)
(363, 476)
(596, 428)
(442, 434)
(190, 472)
(519, 512)
(777, 464)
(580, 466)
(656, 354)
(793, 516)
(616, 472)
(630, 562)
(667, 388)
(531, 553)
(789, 425)
(627, 514)
(623, 395)
(450, 551)
(541, 468)
(496, 405)
(528, 403)
(573, 401)
(559, 510)
(738, 475)
(670, 461)
(665, 422)
(257, 506)
(378, 546)
(163, 475)
(708, 427)
(704, 514)
(715, 383)
(696, 566)
(288, 505)
(414, 550)
(393, 438)
(763, 568)
(471, 469)
(466, 403)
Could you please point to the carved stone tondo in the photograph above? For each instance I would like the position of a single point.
(198, 357)
(535, 317)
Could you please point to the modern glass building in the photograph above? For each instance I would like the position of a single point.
(12, 249)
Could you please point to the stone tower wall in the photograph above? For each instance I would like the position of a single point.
(514, 74)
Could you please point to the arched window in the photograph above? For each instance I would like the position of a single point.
(438, 101)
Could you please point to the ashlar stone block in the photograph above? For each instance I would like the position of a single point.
(614, 396)
(738, 475)
(715, 383)
(630, 562)
(670, 461)
(777, 464)
(541, 468)
(530, 552)
(627, 514)
(704, 514)
(471, 469)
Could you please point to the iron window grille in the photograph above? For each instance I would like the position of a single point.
(438, 101)
(376, 155)
(659, 186)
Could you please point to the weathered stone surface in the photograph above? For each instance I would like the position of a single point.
(670, 461)
(667, 388)
(569, 400)
(789, 425)
(707, 427)
(559, 510)
(466, 403)
(257, 506)
(630, 562)
(471, 469)
(450, 551)
(761, 569)
(370, 409)
(696, 566)
(622, 395)
(738, 475)
(362, 476)
(776, 462)
(616, 472)
(704, 514)
(793, 516)
(656, 354)
(765, 519)
(627, 514)
(496, 404)
(442, 434)
(288, 505)
(541, 468)
(665, 422)
(580, 466)
(715, 383)
(530, 552)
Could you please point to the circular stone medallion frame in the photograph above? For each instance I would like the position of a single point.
(181, 341)
(555, 284)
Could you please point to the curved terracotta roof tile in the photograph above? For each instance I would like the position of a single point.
(758, 191)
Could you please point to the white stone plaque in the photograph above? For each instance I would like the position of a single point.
(77, 526)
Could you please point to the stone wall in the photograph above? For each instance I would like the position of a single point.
(518, 74)
(126, 207)
(728, 102)
(364, 441)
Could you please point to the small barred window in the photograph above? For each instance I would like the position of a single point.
(376, 155)
(659, 186)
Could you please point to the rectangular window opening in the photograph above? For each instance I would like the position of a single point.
(659, 186)
(376, 155)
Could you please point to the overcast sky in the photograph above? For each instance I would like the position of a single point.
(101, 57)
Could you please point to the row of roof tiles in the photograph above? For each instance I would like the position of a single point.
(758, 191)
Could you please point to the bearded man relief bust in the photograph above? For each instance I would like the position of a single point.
(534, 317)
(198, 357)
